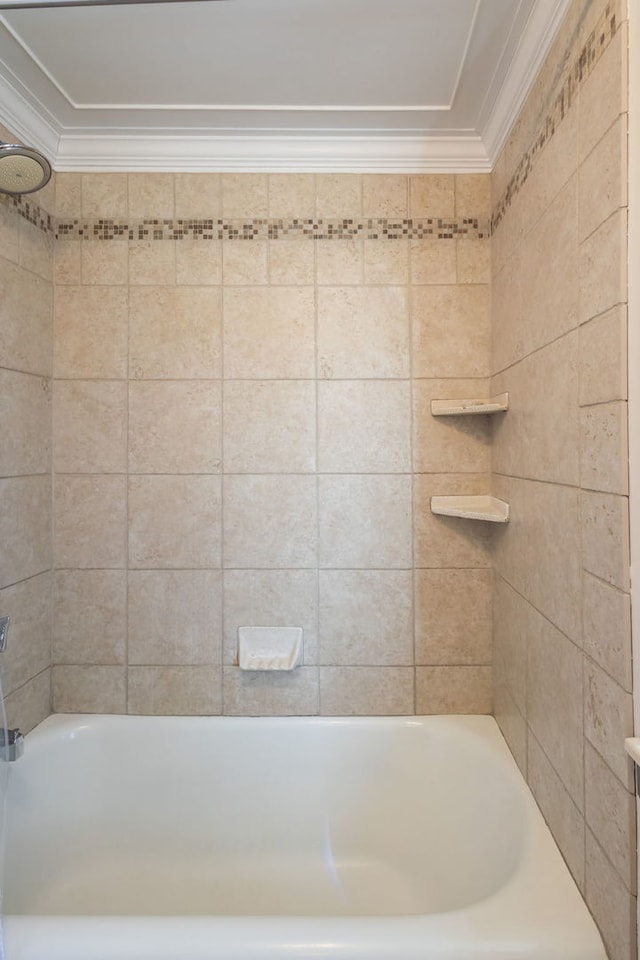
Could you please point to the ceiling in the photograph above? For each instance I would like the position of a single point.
(368, 85)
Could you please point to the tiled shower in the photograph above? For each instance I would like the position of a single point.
(216, 412)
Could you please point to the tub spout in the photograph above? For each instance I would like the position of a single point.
(11, 744)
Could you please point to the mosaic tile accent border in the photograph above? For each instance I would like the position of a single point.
(263, 229)
(581, 68)
(30, 211)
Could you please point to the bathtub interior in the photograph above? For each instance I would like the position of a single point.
(129, 816)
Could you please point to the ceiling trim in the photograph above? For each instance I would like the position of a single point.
(27, 118)
(272, 154)
(535, 43)
(324, 151)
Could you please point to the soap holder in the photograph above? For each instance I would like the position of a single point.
(269, 648)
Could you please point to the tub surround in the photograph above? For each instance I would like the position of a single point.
(562, 646)
(244, 366)
(26, 558)
(235, 349)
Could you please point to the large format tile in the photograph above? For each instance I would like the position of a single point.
(603, 267)
(453, 617)
(174, 522)
(365, 521)
(613, 907)
(269, 333)
(90, 426)
(603, 357)
(264, 694)
(28, 652)
(604, 457)
(608, 719)
(90, 332)
(174, 333)
(605, 537)
(610, 814)
(539, 436)
(364, 426)
(90, 617)
(450, 331)
(366, 691)
(90, 521)
(603, 178)
(25, 413)
(365, 618)
(175, 426)
(554, 703)
(88, 689)
(565, 820)
(174, 690)
(606, 628)
(175, 617)
(30, 704)
(26, 320)
(363, 333)
(269, 426)
(270, 521)
(25, 528)
(454, 689)
(553, 583)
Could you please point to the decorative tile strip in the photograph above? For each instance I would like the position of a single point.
(581, 68)
(30, 211)
(472, 228)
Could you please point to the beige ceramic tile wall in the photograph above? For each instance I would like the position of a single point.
(26, 327)
(242, 435)
(562, 611)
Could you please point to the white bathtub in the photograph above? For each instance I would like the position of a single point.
(135, 838)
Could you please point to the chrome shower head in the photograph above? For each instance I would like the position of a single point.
(22, 169)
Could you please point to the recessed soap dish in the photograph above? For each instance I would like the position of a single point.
(269, 648)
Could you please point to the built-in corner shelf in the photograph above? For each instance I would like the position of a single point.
(457, 408)
(473, 508)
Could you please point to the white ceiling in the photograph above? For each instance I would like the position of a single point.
(405, 85)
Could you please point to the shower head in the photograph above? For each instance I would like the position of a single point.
(22, 169)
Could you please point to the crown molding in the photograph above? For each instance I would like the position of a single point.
(27, 119)
(536, 41)
(269, 154)
(324, 151)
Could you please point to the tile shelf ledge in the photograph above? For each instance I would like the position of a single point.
(472, 508)
(456, 408)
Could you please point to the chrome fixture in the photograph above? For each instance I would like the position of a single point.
(4, 632)
(22, 169)
(11, 744)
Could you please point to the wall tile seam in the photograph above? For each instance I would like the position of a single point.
(581, 813)
(581, 68)
(21, 686)
(26, 475)
(623, 115)
(542, 614)
(604, 403)
(619, 212)
(545, 346)
(594, 746)
(28, 373)
(594, 838)
(550, 483)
